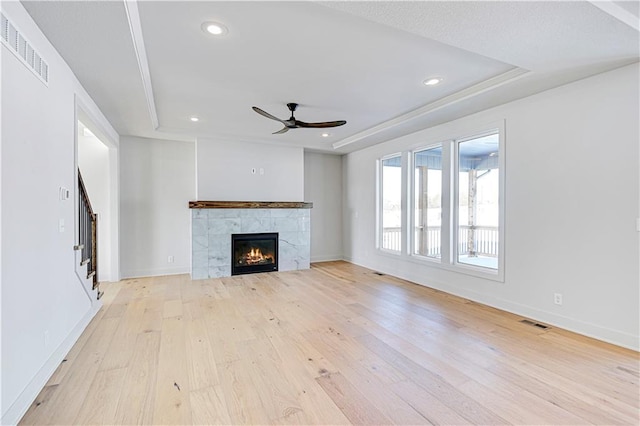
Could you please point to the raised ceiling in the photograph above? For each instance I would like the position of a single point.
(150, 67)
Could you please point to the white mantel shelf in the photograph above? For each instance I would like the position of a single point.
(249, 205)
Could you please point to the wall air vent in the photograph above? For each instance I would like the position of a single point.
(20, 46)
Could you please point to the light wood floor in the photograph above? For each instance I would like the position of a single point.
(336, 344)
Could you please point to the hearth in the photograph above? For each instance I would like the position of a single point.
(253, 253)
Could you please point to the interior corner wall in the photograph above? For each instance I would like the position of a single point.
(157, 179)
(572, 201)
(323, 187)
(44, 305)
(243, 171)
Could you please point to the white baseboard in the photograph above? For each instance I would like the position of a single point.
(327, 258)
(615, 337)
(30, 393)
(141, 273)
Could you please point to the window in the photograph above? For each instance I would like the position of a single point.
(391, 203)
(478, 202)
(427, 204)
(455, 199)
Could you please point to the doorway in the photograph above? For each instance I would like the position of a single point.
(97, 163)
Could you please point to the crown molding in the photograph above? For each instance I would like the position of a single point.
(133, 17)
(469, 92)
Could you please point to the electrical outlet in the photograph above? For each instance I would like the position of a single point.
(170, 259)
(253, 170)
(557, 298)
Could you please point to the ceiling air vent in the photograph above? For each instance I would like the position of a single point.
(20, 46)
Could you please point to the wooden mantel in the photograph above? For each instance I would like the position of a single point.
(249, 205)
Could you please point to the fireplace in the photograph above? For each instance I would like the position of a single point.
(214, 222)
(252, 253)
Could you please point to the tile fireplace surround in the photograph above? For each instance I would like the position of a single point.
(213, 222)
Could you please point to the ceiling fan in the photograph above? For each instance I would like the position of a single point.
(292, 123)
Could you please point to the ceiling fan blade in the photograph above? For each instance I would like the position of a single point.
(266, 114)
(321, 125)
(284, 130)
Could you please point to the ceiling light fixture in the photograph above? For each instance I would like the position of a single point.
(325, 135)
(432, 81)
(214, 28)
(194, 119)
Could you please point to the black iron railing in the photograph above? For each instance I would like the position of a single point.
(88, 235)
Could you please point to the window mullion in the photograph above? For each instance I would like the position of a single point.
(407, 203)
(448, 198)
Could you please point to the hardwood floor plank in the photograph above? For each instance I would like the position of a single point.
(99, 407)
(243, 400)
(336, 344)
(353, 404)
(208, 407)
(172, 405)
(434, 361)
(119, 355)
(136, 402)
(589, 412)
(302, 364)
(172, 308)
(152, 317)
(370, 375)
(430, 407)
(346, 352)
(200, 359)
(467, 407)
(278, 398)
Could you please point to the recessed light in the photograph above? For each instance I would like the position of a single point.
(325, 135)
(432, 81)
(214, 28)
(194, 119)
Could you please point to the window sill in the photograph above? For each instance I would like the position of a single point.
(475, 271)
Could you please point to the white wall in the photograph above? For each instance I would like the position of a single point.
(323, 187)
(93, 162)
(44, 305)
(157, 179)
(224, 172)
(572, 188)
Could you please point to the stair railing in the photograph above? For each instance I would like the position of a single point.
(88, 235)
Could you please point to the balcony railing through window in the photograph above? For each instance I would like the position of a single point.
(484, 240)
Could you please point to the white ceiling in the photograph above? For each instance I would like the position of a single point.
(149, 66)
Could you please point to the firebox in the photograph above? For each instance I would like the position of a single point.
(252, 253)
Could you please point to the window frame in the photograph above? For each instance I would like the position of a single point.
(479, 271)
(444, 222)
(379, 205)
(450, 189)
